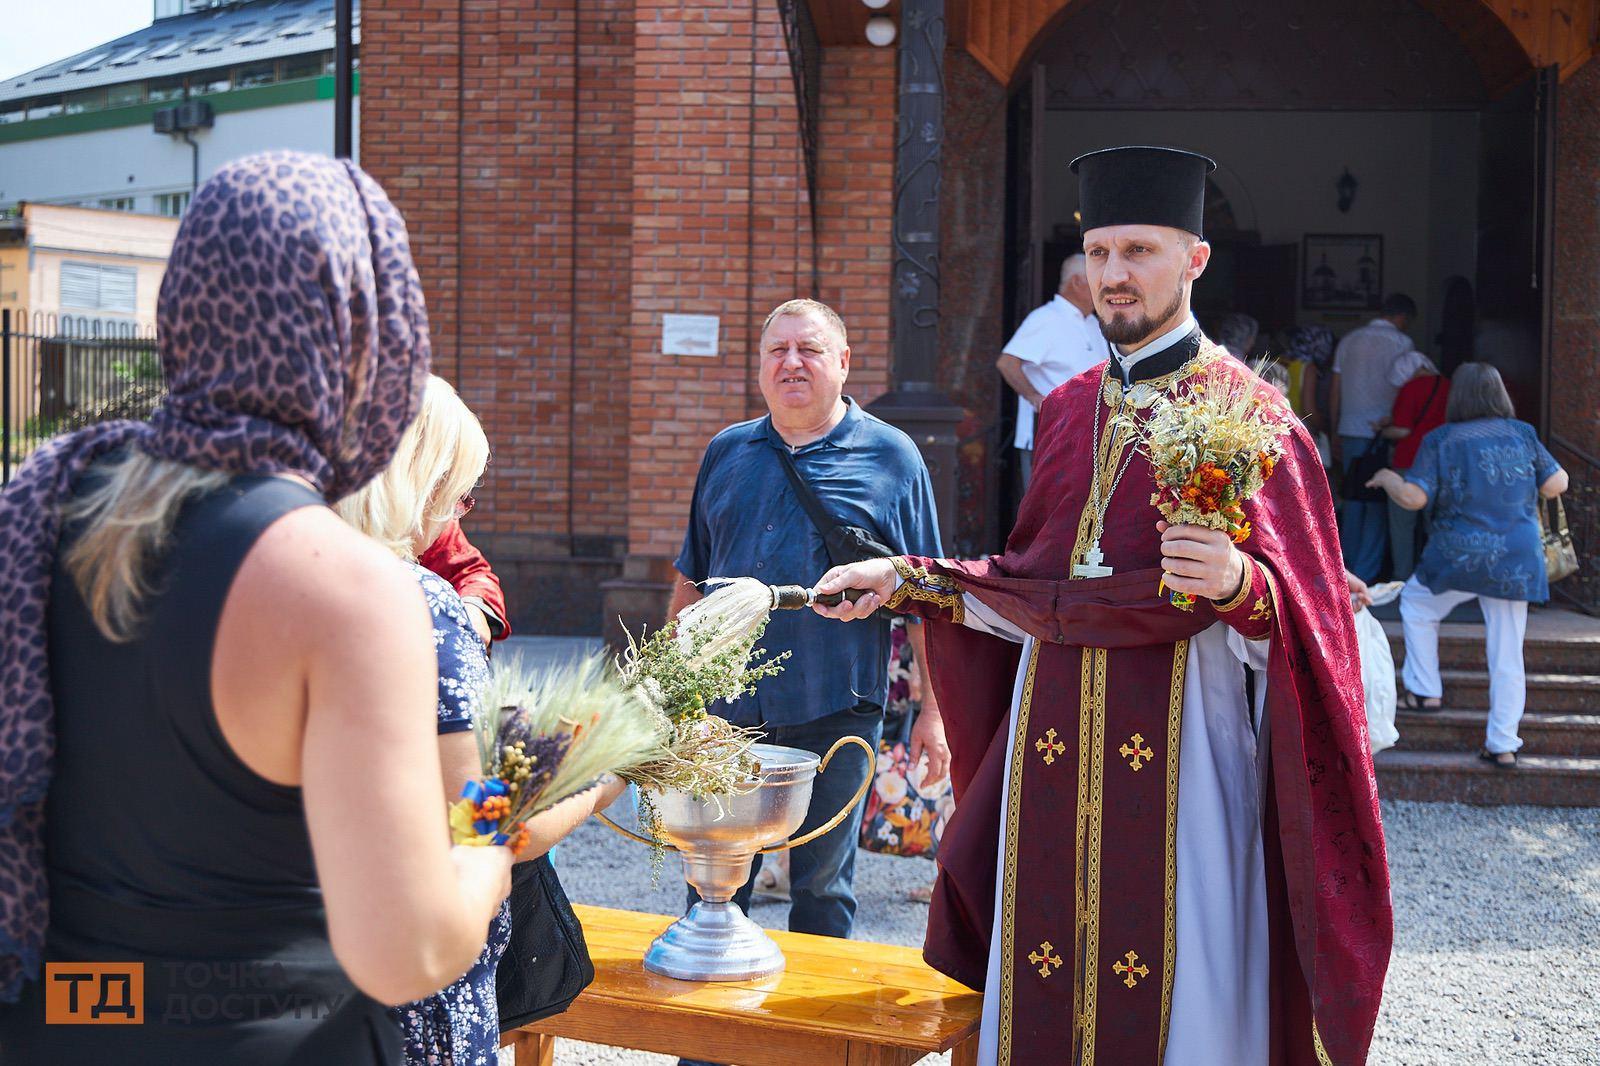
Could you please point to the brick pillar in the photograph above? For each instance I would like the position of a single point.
(719, 228)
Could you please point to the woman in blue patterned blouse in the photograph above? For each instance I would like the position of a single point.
(425, 487)
(1484, 474)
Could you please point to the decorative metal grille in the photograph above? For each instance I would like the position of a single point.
(805, 64)
(918, 145)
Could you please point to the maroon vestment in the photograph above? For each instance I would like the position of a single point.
(1088, 884)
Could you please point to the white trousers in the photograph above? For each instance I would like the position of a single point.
(1504, 621)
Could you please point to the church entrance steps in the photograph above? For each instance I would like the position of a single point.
(1462, 731)
(1435, 758)
(1558, 642)
(1438, 776)
(1549, 693)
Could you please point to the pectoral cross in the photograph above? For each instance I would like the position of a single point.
(1090, 567)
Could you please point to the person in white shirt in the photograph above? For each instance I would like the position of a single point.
(1365, 366)
(1057, 341)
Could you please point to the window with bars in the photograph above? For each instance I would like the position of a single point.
(117, 203)
(99, 287)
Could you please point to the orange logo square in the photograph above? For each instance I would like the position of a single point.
(94, 993)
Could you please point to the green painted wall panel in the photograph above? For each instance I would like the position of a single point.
(289, 92)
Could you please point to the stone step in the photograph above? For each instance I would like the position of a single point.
(1462, 731)
(1558, 642)
(1547, 656)
(1547, 693)
(1437, 776)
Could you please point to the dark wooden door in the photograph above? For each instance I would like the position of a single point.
(1514, 208)
(1025, 280)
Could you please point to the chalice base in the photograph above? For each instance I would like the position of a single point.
(714, 942)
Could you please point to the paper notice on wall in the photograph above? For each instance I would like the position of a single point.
(689, 334)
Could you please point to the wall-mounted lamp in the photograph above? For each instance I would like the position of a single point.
(1347, 190)
(880, 30)
(875, 5)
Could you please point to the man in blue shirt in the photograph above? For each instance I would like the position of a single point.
(746, 521)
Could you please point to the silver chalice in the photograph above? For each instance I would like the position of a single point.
(715, 941)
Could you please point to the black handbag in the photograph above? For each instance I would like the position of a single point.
(547, 961)
(1363, 470)
(845, 544)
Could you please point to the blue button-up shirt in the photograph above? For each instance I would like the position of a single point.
(747, 522)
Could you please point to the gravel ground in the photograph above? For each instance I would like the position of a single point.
(1497, 914)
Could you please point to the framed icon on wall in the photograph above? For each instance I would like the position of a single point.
(1342, 272)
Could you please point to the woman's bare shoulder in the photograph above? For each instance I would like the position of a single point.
(311, 566)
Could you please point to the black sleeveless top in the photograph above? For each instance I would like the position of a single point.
(164, 848)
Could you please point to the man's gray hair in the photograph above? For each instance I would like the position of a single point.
(809, 307)
(1477, 391)
(1077, 263)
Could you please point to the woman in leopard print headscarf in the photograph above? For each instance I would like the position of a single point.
(161, 825)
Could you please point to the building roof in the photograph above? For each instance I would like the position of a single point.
(215, 37)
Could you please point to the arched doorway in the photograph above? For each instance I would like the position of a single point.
(1401, 142)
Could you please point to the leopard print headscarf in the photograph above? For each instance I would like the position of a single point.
(293, 340)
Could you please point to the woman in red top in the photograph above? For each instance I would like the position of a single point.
(1418, 408)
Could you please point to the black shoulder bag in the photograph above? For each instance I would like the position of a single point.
(547, 963)
(845, 544)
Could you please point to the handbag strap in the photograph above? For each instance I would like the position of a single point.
(1438, 379)
(1560, 527)
(820, 518)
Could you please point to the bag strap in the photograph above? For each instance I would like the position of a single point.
(1561, 529)
(1438, 379)
(820, 518)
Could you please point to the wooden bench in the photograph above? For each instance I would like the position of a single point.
(839, 1003)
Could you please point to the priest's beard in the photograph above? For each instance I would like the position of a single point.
(1129, 330)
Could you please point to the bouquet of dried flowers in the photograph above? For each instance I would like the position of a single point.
(682, 669)
(544, 738)
(1211, 447)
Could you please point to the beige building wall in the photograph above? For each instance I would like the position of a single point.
(57, 234)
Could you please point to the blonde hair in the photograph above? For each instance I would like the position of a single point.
(128, 521)
(809, 307)
(437, 462)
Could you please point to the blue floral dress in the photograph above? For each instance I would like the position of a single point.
(1482, 479)
(459, 1025)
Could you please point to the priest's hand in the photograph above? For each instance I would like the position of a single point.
(876, 576)
(1200, 561)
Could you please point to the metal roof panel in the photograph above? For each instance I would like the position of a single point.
(230, 35)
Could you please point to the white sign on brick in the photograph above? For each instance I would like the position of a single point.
(689, 334)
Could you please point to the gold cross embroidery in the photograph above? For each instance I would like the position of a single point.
(1044, 959)
(1262, 611)
(1049, 746)
(1136, 751)
(1130, 968)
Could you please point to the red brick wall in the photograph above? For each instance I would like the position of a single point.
(411, 74)
(604, 235)
(571, 173)
(856, 205)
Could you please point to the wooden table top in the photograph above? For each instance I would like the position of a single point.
(844, 989)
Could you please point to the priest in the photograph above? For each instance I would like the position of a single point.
(1166, 847)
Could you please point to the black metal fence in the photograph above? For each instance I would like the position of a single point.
(60, 372)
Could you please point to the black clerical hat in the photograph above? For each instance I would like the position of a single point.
(1141, 185)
